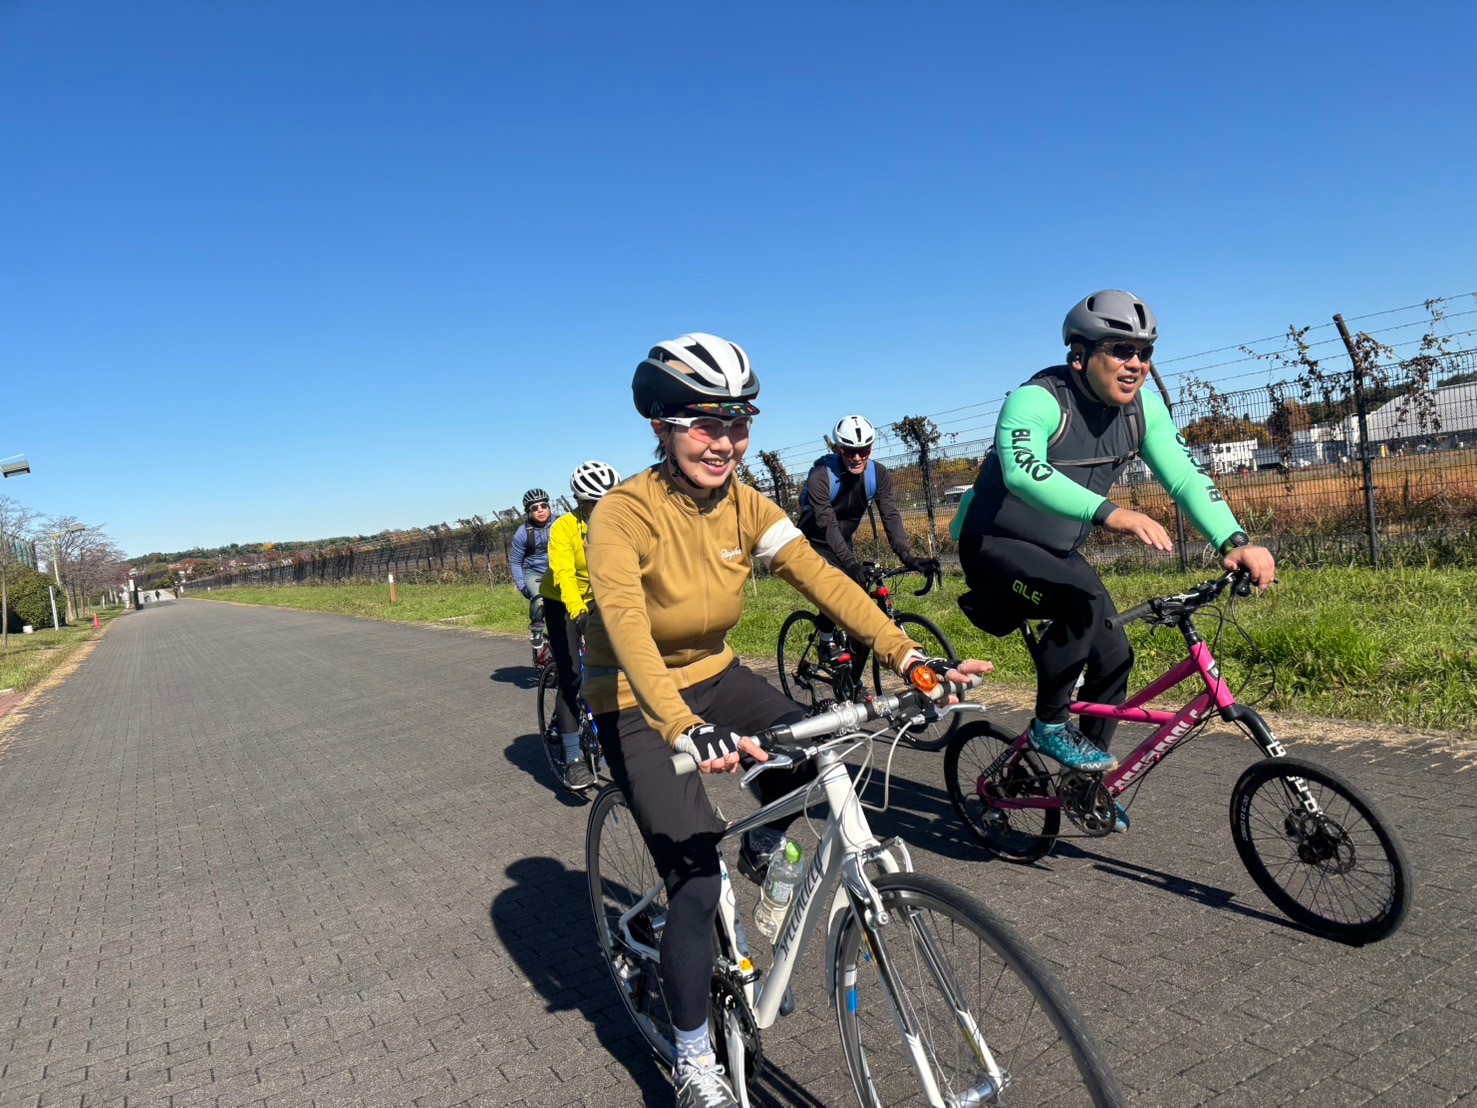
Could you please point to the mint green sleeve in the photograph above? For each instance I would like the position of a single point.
(1030, 417)
(1168, 456)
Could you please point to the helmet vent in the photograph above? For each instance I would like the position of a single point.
(1143, 320)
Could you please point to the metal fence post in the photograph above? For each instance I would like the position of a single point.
(1365, 468)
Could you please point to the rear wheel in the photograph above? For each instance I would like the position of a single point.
(548, 693)
(1339, 870)
(1014, 834)
(622, 876)
(988, 1022)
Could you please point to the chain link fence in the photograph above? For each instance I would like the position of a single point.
(1370, 466)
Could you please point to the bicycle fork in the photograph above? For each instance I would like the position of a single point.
(908, 920)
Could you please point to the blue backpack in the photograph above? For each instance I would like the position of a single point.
(833, 464)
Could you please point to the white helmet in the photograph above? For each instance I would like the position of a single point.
(592, 480)
(854, 432)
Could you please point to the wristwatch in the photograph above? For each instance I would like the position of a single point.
(1240, 538)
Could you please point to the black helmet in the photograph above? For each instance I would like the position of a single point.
(534, 496)
(716, 371)
(1110, 314)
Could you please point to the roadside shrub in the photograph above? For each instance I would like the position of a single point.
(29, 600)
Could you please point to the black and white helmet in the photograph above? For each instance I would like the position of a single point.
(715, 372)
(1110, 314)
(534, 496)
(854, 432)
(592, 480)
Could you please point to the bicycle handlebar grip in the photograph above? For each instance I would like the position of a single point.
(683, 764)
(928, 583)
(1133, 615)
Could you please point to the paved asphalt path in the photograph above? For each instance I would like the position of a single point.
(267, 857)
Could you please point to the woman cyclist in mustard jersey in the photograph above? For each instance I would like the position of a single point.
(669, 552)
(566, 593)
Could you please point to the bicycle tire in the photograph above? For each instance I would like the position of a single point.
(548, 692)
(1317, 850)
(1051, 1057)
(935, 644)
(803, 677)
(620, 871)
(1013, 835)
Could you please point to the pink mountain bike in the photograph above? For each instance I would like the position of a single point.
(1314, 844)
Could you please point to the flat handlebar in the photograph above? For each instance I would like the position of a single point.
(1171, 609)
(784, 737)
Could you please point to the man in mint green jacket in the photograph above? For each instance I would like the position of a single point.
(1062, 441)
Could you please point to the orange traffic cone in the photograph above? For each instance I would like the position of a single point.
(95, 623)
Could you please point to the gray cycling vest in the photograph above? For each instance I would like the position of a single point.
(1093, 445)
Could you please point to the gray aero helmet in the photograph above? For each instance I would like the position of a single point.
(854, 432)
(592, 480)
(718, 374)
(1110, 314)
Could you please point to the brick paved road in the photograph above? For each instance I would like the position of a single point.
(271, 857)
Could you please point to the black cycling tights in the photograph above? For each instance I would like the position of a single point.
(1013, 580)
(564, 645)
(679, 823)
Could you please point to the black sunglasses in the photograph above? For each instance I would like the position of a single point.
(856, 451)
(1124, 351)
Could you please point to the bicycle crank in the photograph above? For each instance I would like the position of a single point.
(1087, 802)
(728, 1012)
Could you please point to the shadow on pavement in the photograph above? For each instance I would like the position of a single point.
(922, 815)
(523, 677)
(543, 919)
(1210, 896)
(527, 753)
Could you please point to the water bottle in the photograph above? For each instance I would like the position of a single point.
(779, 889)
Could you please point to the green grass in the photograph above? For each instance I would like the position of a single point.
(29, 659)
(1396, 647)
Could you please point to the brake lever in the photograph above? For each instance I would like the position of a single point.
(776, 761)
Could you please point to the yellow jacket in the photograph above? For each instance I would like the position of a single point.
(668, 576)
(568, 578)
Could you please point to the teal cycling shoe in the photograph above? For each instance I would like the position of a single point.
(1064, 743)
(1120, 818)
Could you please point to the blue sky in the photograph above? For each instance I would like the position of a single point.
(276, 271)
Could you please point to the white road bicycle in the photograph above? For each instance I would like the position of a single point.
(938, 1001)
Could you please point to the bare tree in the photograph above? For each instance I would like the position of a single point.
(15, 521)
(922, 435)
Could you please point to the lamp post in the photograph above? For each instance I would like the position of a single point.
(56, 566)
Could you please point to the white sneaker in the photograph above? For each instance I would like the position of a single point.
(701, 1084)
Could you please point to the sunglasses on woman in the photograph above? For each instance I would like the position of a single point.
(708, 428)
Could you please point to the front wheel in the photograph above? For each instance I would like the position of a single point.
(935, 644)
(986, 1021)
(1014, 834)
(1320, 851)
(804, 677)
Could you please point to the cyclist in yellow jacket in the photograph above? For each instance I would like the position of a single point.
(567, 601)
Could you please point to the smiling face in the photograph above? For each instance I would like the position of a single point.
(708, 452)
(855, 461)
(1112, 379)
